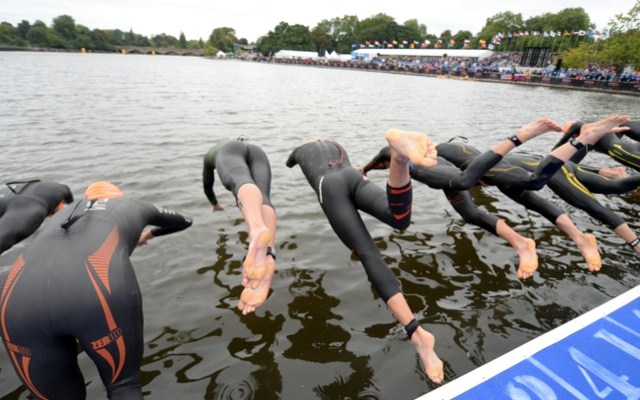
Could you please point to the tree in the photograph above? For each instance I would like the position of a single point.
(7, 33)
(321, 38)
(342, 32)
(578, 57)
(287, 37)
(380, 27)
(414, 30)
(164, 40)
(65, 26)
(182, 42)
(460, 38)
(23, 28)
(622, 47)
(223, 39)
(501, 22)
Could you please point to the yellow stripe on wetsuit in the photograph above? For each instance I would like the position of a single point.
(571, 177)
(622, 154)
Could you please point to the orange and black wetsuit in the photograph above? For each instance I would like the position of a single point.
(237, 163)
(75, 283)
(342, 191)
(23, 207)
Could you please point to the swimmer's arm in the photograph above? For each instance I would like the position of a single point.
(291, 161)
(167, 221)
(634, 130)
(380, 161)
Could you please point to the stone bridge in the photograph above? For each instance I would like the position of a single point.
(165, 51)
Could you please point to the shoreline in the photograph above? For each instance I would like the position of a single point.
(612, 87)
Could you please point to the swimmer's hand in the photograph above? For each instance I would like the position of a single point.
(144, 238)
(218, 207)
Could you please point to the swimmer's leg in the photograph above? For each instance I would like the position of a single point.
(586, 242)
(423, 340)
(250, 202)
(628, 235)
(256, 291)
(525, 247)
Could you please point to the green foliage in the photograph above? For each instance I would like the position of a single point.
(578, 57)
(622, 47)
(65, 27)
(164, 40)
(223, 38)
(501, 22)
(182, 42)
(342, 32)
(289, 37)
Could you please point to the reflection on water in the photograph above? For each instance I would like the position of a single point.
(145, 122)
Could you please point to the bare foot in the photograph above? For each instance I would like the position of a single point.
(536, 128)
(613, 172)
(592, 132)
(425, 343)
(588, 246)
(254, 263)
(414, 146)
(253, 296)
(528, 259)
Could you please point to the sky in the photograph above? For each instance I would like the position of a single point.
(254, 18)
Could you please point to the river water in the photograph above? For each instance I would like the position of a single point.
(144, 123)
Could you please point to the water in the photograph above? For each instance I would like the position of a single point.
(144, 123)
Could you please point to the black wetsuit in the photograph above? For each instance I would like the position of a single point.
(624, 150)
(576, 185)
(75, 283)
(512, 180)
(453, 181)
(342, 191)
(237, 163)
(25, 206)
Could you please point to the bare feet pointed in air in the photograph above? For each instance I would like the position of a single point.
(592, 132)
(528, 259)
(537, 128)
(254, 263)
(414, 146)
(257, 291)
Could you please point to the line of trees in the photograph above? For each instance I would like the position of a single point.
(619, 47)
(64, 33)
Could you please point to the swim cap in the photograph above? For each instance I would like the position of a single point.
(102, 190)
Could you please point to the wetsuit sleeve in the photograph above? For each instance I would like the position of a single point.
(292, 160)
(208, 177)
(379, 161)
(23, 217)
(167, 221)
(599, 184)
(634, 131)
(574, 130)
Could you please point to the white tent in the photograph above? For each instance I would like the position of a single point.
(311, 55)
(368, 54)
(221, 54)
(296, 54)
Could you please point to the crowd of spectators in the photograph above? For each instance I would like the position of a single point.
(505, 64)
